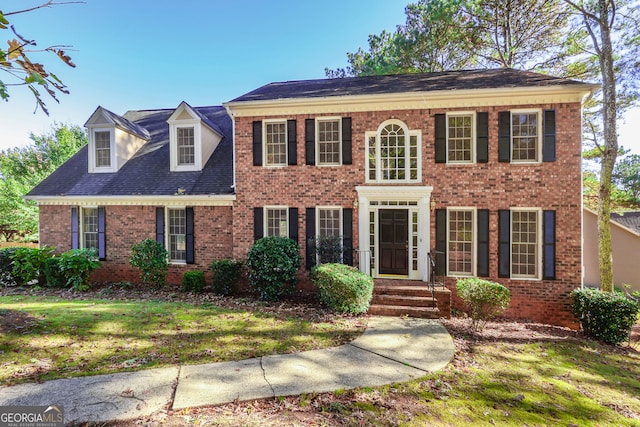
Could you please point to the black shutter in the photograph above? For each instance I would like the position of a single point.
(504, 136)
(549, 147)
(160, 226)
(293, 224)
(258, 223)
(549, 242)
(347, 235)
(310, 228)
(257, 143)
(482, 137)
(190, 252)
(102, 244)
(346, 142)
(292, 149)
(483, 242)
(310, 141)
(75, 236)
(441, 138)
(441, 242)
(504, 243)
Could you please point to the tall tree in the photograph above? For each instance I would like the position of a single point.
(443, 35)
(21, 169)
(16, 61)
(611, 41)
(626, 175)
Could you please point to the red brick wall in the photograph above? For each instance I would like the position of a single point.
(494, 186)
(127, 225)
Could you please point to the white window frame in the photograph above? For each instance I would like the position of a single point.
(474, 242)
(266, 219)
(409, 133)
(264, 143)
(539, 248)
(82, 239)
(176, 166)
(473, 136)
(317, 137)
(195, 146)
(341, 226)
(112, 150)
(539, 136)
(168, 233)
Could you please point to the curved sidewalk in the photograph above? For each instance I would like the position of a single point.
(390, 350)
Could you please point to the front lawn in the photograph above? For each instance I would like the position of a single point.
(515, 374)
(46, 337)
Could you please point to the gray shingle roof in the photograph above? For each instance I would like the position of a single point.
(125, 124)
(405, 83)
(628, 219)
(147, 172)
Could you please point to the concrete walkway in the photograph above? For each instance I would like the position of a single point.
(390, 350)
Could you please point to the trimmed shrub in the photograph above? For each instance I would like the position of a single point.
(150, 257)
(484, 299)
(343, 289)
(6, 267)
(28, 264)
(193, 281)
(273, 265)
(226, 274)
(72, 269)
(605, 316)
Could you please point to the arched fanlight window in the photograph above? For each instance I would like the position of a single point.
(393, 153)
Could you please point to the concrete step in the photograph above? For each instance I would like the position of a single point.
(404, 310)
(404, 300)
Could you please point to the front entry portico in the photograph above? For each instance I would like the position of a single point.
(394, 231)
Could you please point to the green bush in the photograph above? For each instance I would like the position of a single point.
(343, 289)
(328, 249)
(484, 299)
(28, 264)
(226, 274)
(6, 267)
(605, 316)
(72, 269)
(150, 257)
(273, 265)
(193, 281)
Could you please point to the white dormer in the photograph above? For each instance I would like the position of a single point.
(192, 137)
(113, 140)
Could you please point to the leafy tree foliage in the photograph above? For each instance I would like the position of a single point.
(18, 66)
(626, 175)
(23, 168)
(441, 35)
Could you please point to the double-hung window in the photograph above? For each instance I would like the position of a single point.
(393, 154)
(461, 242)
(186, 146)
(102, 141)
(460, 138)
(276, 222)
(525, 243)
(525, 136)
(329, 141)
(275, 134)
(89, 228)
(177, 228)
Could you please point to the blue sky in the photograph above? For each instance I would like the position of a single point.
(134, 54)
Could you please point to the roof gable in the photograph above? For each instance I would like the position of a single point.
(102, 116)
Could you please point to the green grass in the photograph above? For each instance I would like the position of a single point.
(46, 337)
(512, 384)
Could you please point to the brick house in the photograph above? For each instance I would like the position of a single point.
(481, 167)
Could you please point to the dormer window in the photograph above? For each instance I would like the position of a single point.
(103, 148)
(186, 146)
(113, 141)
(192, 139)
